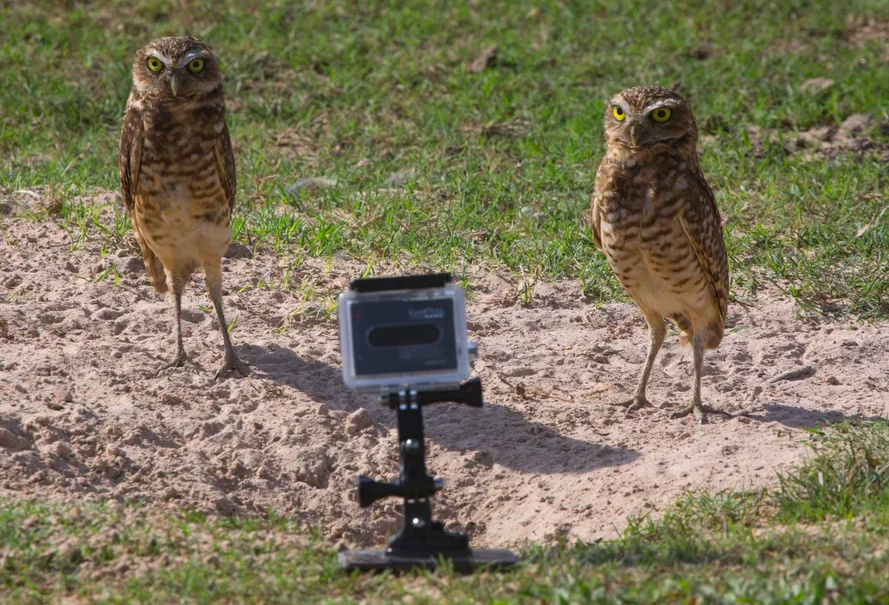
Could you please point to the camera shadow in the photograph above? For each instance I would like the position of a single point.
(322, 382)
(503, 435)
(499, 433)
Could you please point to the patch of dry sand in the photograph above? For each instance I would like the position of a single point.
(82, 414)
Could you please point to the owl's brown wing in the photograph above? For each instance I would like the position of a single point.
(130, 156)
(595, 211)
(595, 219)
(702, 225)
(225, 166)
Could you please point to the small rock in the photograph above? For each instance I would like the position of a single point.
(236, 250)
(225, 507)
(322, 410)
(855, 123)
(63, 450)
(108, 314)
(62, 396)
(131, 265)
(358, 420)
(11, 441)
(170, 399)
(521, 372)
(484, 60)
(757, 390)
(816, 84)
(20, 387)
(193, 317)
(402, 177)
(69, 266)
(832, 380)
(794, 374)
(485, 459)
(211, 427)
(12, 281)
(310, 185)
(113, 450)
(69, 553)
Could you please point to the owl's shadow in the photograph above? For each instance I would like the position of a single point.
(499, 433)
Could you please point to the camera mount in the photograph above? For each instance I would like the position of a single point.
(405, 337)
(422, 542)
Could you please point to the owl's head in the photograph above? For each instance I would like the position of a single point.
(176, 67)
(649, 115)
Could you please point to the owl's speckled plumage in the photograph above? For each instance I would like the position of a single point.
(177, 172)
(656, 220)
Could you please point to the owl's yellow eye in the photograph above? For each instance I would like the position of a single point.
(196, 65)
(661, 115)
(154, 64)
(618, 114)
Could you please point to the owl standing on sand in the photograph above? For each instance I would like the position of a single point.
(656, 220)
(177, 173)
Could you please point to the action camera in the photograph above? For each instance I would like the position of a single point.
(404, 333)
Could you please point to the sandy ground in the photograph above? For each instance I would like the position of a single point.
(82, 414)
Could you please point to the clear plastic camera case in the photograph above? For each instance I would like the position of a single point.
(388, 339)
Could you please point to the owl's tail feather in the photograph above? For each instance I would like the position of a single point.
(687, 332)
(153, 265)
(155, 270)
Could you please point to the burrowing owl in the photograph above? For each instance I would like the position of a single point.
(177, 173)
(655, 218)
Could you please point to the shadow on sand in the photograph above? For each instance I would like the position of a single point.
(496, 430)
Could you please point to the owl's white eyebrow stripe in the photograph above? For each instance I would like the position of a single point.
(659, 104)
(195, 54)
(159, 55)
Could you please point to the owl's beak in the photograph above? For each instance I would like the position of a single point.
(175, 84)
(635, 134)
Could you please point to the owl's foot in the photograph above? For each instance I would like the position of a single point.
(180, 360)
(233, 364)
(700, 413)
(636, 403)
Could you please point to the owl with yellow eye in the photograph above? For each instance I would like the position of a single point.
(655, 218)
(177, 174)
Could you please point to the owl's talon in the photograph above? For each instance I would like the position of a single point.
(700, 413)
(233, 364)
(180, 361)
(636, 403)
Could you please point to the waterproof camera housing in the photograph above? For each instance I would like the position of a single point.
(401, 333)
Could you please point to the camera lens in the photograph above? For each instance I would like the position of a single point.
(397, 336)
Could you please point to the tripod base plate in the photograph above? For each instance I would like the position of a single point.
(378, 560)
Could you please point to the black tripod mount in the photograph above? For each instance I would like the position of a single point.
(422, 542)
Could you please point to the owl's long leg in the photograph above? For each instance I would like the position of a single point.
(213, 272)
(700, 411)
(176, 284)
(656, 333)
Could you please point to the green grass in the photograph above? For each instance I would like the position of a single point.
(820, 537)
(359, 91)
